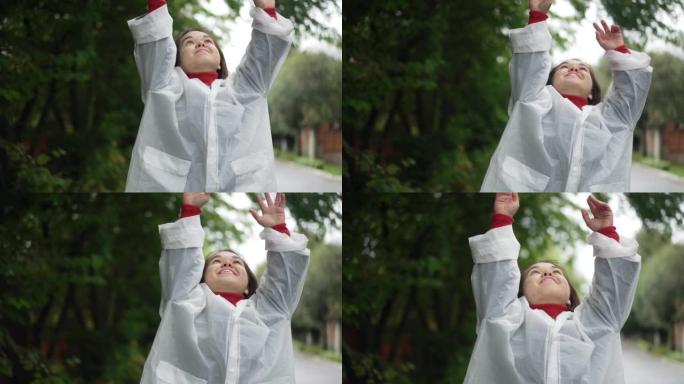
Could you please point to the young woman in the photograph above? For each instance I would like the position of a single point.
(561, 136)
(203, 129)
(533, 328)
(226, 328)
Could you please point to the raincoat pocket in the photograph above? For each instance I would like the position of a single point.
(611, 187)
(518, 177)
(168, 373)
(167, 172)
(251, 172)
(229, 117)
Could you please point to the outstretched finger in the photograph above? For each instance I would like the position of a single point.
(615, 28)
(585, 216)
(514, 197)
(260, 202)
(597, 28)
(268, 199)
(255, 215)
(606, 28)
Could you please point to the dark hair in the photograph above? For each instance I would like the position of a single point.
(574, 297)
(595, 87)
(252, 282)
(223, 71)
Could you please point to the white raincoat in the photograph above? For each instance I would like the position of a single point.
(198, 138)
(203, 338)
(518, 344)
(551, 145)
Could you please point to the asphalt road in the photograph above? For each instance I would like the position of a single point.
(642, 367)
(647, 179)
(314, 370)
(293, 177)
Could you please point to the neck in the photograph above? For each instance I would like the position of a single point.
(579, 101)
(551, 309)
(233, 297)
(205, 77)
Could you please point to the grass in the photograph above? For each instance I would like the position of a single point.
(332, 168)
(660, 164)
(317, 351)
(660, 350)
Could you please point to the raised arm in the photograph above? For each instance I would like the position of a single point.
(616, 273)
(266, 52)
(530, 65)
(496, 276)
(286, 262)
(632, 74)
(182, 262)
(155, 51)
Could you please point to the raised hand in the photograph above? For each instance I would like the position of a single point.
(272, 213)
(506, 203)
(603, 215)
(608, 38)
(198, 199)
(265, 3)
(541, 5)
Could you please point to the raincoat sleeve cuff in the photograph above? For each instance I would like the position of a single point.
(497, 244)
(183, 233)
(607, 248)
(263, 22)
(627, 61)
(152, 26)
(532, 38)
(280, 242)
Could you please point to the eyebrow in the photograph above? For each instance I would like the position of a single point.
(234, 257)
(536, 267)
(188, 37)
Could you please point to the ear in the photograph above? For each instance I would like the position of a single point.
(589, 97)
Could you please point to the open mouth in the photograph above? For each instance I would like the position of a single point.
(200, 50)
(544, 279)
(227, 271)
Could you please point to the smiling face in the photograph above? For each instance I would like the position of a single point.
(545, 283)
(573, 77)
(197, 52)
(226, 272)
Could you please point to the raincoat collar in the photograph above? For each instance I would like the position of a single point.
(205, 77)
(233, 297)
(552, 310)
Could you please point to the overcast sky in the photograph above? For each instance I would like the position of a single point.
(252, 247)
(234, 45)
(625, 220)
(583, 44)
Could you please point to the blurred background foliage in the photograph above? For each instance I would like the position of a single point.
(70, 96)
(426, 85)
(80, 279)
(408, 310)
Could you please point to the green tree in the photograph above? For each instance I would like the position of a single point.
(70, 96)
(408, 311)
(80, 280)
(426, 87)
(308, 92)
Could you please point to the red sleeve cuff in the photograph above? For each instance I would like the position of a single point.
(499, 220)
(282, 228)
(154, 4)
(537, 16)
(189, 210)
(623, 48)
(610, 232)
(271, 12)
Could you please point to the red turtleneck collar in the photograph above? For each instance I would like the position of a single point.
(580, 102)
(552, 310)
(233, 297)
(205, 77)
